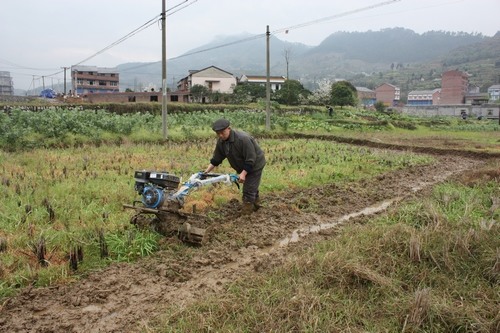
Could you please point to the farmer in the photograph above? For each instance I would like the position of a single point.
(330, 110)
(245, 157)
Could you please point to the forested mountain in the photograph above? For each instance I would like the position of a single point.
(398, 56)
(394, 45)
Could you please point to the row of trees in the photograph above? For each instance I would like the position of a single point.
(292, 92)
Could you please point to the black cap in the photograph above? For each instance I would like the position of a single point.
(220, 124)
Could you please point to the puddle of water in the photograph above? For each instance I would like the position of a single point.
(302, 232)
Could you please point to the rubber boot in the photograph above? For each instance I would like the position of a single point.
(256, 205)
(246, 208)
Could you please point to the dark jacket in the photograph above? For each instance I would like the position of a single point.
(241, 150)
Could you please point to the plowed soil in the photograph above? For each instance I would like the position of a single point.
(129, 297)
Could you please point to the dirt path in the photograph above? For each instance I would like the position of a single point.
(126, 297)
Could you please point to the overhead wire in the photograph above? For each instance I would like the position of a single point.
(281, 30)
(121, 40)
(132, 33)
(139, 29)
(17, 66)
(287, 29)
(333, 17)
(183, 5)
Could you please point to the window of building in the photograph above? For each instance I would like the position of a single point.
(113, 84)
(102, 83)
(153, 98)
(91, 83)
(131, 98)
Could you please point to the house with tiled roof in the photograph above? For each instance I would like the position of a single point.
(366, 97)
(214, 78)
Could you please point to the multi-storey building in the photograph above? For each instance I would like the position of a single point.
(388, 94)
(91, 79)
(6, 84)
(454, 87)
(213, 78)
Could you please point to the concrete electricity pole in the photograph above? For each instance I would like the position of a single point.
(164, 68)
(268, 83)
(65, 68)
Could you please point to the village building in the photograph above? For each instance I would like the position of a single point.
(6, 84)
(275, 82)
(494, 93)
(94, 80)
(424, 97)
(366, 97)
(454, 87)
(388, 94)
(214, 78)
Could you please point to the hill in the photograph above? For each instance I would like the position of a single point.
(399, 56)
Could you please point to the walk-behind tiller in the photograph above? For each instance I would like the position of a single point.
(162, 200)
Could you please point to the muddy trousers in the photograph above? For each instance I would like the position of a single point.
(251, 186)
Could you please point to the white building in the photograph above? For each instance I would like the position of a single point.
(494, 93)
(6, 84)
(275, 82)
(214, 78)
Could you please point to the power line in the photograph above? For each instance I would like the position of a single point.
(14, 65)
(220, 46)
(131, 34)
(121, 40)
(329, 18)
(136, 31)
(298, 26)
(183, 5)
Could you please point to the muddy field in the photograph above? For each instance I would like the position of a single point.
(130, 297)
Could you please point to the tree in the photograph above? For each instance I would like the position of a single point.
(379, 106)
(291, 93)
(198, 91)
(343, 93)
(321, 95)
(248, 93)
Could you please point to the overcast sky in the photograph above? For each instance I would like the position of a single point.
(39, 37)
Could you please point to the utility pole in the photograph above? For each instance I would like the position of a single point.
(164, 68)
(75, 88)
(268, 83)
(65, 68)
(33, 85)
